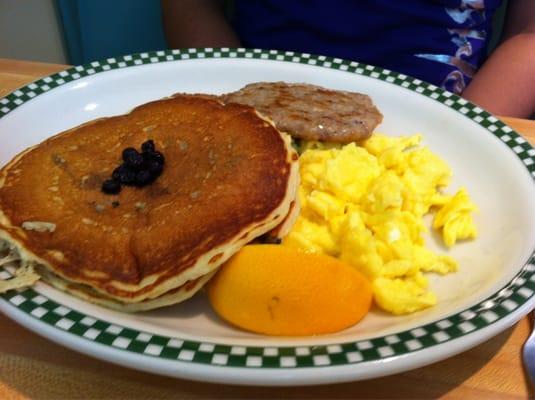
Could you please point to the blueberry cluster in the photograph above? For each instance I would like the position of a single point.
(138, 169)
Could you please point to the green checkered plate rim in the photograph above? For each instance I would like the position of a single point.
(517, 293)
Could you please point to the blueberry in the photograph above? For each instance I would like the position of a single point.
(153, 156)
(148, 146)
(155, 168)
(135, 162)
(157, 156)
(143, 178)
(127, 176)
(146, 158)
(124, 174)
(138, 169)
(116, 174)
(132, 159)
(111, 186)
(128, 152)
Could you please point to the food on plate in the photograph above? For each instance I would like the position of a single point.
(454, 219)
(277, 290)
(229, 176)
(276, 234)
(312, 112)
(365, 205)
(139, 211)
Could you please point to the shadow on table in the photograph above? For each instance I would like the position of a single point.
(47, 370)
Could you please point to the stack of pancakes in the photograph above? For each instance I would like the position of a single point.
(230, 176)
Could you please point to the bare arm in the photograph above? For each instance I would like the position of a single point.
(505, 84)
(197, 23)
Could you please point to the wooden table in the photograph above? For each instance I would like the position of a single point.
(32, 367)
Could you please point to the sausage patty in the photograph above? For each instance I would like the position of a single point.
(311, 112)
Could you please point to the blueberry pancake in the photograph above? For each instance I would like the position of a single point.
(135, 211)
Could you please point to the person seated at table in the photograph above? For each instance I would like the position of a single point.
(443, 42)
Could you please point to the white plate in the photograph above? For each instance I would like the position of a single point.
(493, 289)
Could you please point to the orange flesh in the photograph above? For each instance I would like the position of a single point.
(276, 290)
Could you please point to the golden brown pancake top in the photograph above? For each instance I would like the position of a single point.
(226, 169)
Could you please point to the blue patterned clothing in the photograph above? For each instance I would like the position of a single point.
(441, 41)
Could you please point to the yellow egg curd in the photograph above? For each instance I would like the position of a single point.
(365, 205)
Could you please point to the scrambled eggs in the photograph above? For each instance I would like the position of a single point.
(364, 204)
